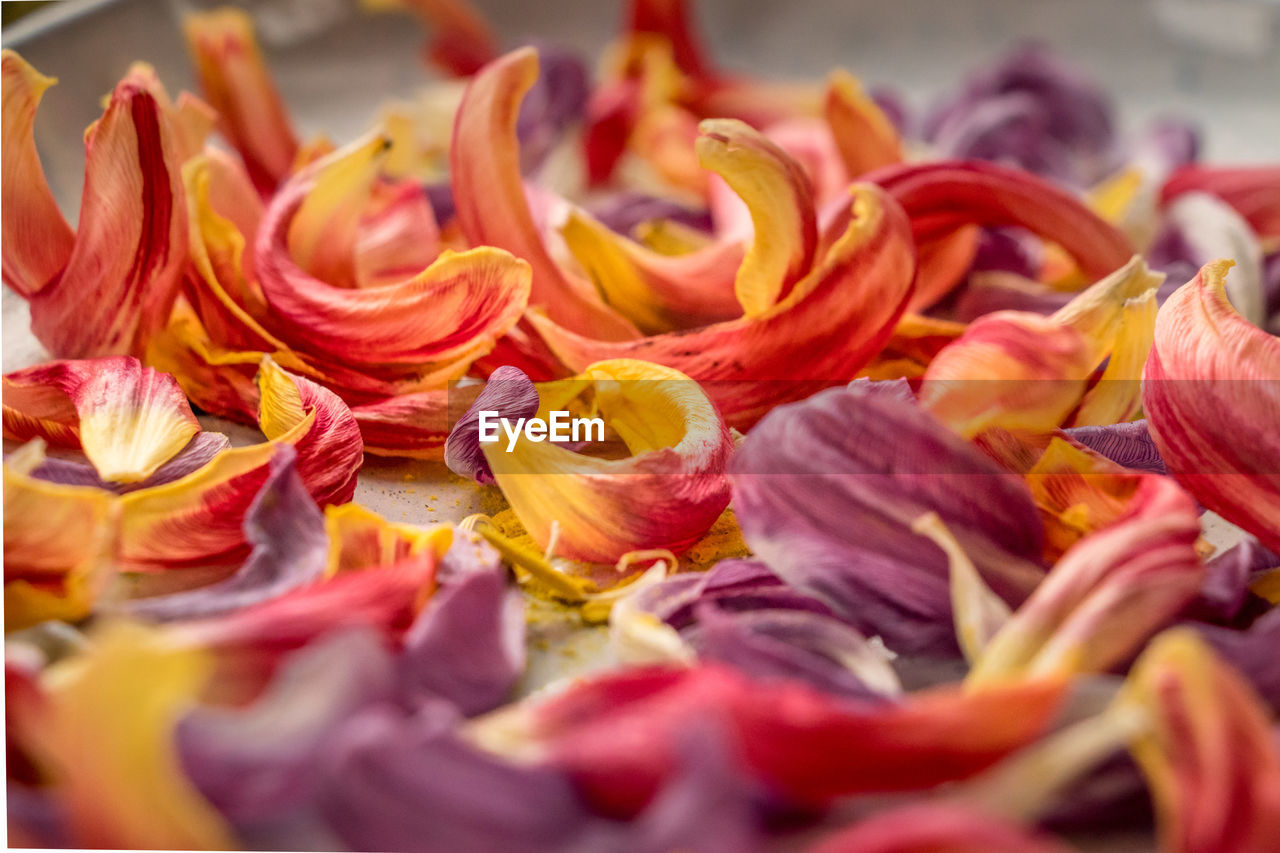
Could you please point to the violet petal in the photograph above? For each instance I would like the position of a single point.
(556, 102)
(467, 645)
(1226, 582)
(290, 548)
(1128, 444)
(1253, 653)
(508, 392)
(622, 211)
(826, 491)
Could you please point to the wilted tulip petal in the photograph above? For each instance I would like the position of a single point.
(1211, 735)
(462, 41)
(128, 419)
(237, 83)
(509, 393)
(198, 453)
(1108, 594)
(830, 324)
(60, 544)
(287, 534)
(826, 492)
(867, 139)
(667, 494)
(1207, 361)
(1253, 191)
(467, 646)
(1252, 653)
(1128, 444)
(617, 734)
(104, 734)
(938, 828)
(489, 192)
(128, 250)
(451, 312)
(942, 196)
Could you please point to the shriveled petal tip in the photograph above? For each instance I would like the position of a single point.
(511, 395)
(813, 478)
(449, 313)
(1208, 361)
(865, 136)
(491, 204)
(132, 236)
(779, 196)
(37, 240)
(938, 828)
(61, 544)
(666, 494)
(106, 730)
(1199, 705)
(128, 419)
(831, 323)
(237, 83)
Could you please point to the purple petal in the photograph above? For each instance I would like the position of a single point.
(290, 549)
(826, 491)
(1128, 444)
(556, 102)
(409, 784)
(1009, 250)
(1030, 108)
(467, 645)
(508, 392)
(198, 452)
(897, 389)
(893, 104)
(260, 764)
(1111, 796)
(442, 203)
(1253, 653)
(731, 585)
(1164, 144)
(1226, 582)
(993, 291)
(790, 645)
(1271, 291)
(622, 211)
(35, 818)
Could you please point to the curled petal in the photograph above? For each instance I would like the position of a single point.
(780, 198)
(1208, 360)
(1128, 444)
(826, 492)
(452, 311)
(37, 240)
(105, 735)
(509, 393)
(942, 196)
(1253, 191)
(462, 41)
(822, 332)
(938, 828)
(60, 544)
(1107, 595)
(666, 495)
(616, 734)
(1198, 706)
(131, 240)
(237, 83)
(198, 453)
(128, 419)
(414, 424)
(865, 136)
(492, 208)
(360, 539)
(287, 534)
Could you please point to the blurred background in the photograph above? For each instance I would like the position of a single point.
(1214, 61)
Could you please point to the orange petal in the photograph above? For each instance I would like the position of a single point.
(866, 138)
(1107, 595)
(1211, 391)
(666, 495)
(489, 192)
(1211, 761)
(462, 41)
(37, 240)
(454, 310)
(829, 325)
(60, 544)
(237, 83)
(132, 235)
(128, 419)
